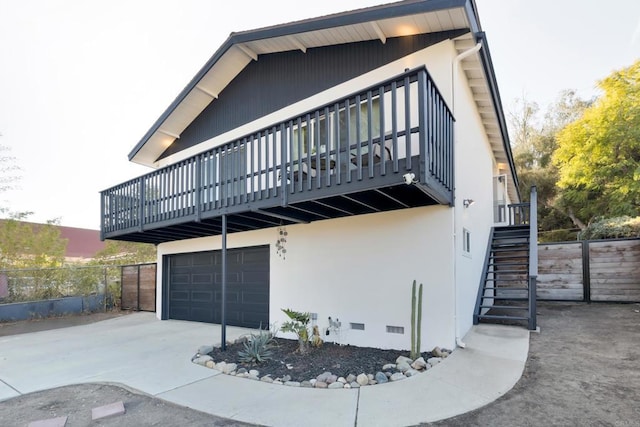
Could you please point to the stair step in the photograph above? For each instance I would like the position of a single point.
(509, 263)
(506, 307)
(504, 298)
(523, 248)
(502, 288)
(494, 316)
(506, 257)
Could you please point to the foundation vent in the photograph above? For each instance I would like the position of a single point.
(395, 329)
(357, 326)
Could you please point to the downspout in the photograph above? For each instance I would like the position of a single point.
(454, 78)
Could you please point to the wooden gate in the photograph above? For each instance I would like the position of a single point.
(139, 287)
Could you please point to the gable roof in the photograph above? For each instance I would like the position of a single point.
(378, 22)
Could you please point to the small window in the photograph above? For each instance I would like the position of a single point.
(466, 241)
(357, 326)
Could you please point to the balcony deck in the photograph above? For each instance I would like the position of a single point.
(345, 158)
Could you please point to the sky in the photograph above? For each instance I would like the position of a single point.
(82, 81)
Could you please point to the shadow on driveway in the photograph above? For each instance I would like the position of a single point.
(583, 369)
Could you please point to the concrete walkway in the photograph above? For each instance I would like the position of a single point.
(154, 357)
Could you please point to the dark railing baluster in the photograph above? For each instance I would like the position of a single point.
(422, 125)
(347, 131)
(370, 133)
(394, 125)
(358, 104)
(382, 133)
(407, 122)
(336, 136)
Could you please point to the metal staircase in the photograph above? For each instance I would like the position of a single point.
(507, 291)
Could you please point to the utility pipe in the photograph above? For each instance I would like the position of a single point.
(455, 65)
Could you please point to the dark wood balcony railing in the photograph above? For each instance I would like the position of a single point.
(365, 141)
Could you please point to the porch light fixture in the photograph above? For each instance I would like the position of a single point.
(467, 202)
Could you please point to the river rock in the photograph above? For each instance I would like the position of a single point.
(433, 361)
(403, 366)
(331, 379)
(286, 378)
(210, 364)
(342, 380)
(381, 378)
(204, 349)
(254, 372)
(411, 372)
(202, 360)
(229, 368)
(389, 366)
(403, 359)
(397, 376)
(336, 384)
(321, 384)
(306, 384)
(292, 383)
(362, 379)
(266, 379)
(350, 378)
(354, 384)
(419, 364)
(241, 371)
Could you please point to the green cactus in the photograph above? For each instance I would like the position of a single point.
(416, 326)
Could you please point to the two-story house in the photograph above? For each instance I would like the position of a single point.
(324, 165)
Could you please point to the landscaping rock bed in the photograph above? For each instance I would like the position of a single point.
(329, 366)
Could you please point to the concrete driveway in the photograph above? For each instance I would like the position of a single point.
(154, 357)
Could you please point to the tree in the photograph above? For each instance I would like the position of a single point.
(534, 143)
(8, 171)
(28, 245)
(598, 155)
(116, 252)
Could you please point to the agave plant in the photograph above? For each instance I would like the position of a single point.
(257, 348)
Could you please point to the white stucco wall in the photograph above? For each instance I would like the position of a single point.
(358, 269)
(475, 169)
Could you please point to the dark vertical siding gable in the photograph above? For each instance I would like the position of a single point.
(280, 79)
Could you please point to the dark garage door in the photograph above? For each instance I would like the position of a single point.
(195, 286)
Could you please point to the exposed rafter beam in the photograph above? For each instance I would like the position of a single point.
(392, 198)
(168, 133)
(207, 92)
(251, 54)
(378, 30)
(284, 217)
(298, 44)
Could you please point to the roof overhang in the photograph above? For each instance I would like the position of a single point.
(374, 23)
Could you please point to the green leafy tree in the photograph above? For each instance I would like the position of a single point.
(598, 155)
(117, 252)
(29, 245)
(534, 142)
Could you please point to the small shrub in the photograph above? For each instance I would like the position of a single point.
(257, 348)
(298, 325)
(612, 228)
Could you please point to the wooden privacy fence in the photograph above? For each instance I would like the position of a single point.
(139, 287)
(590, 270)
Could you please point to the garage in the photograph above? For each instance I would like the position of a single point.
(194, 286)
